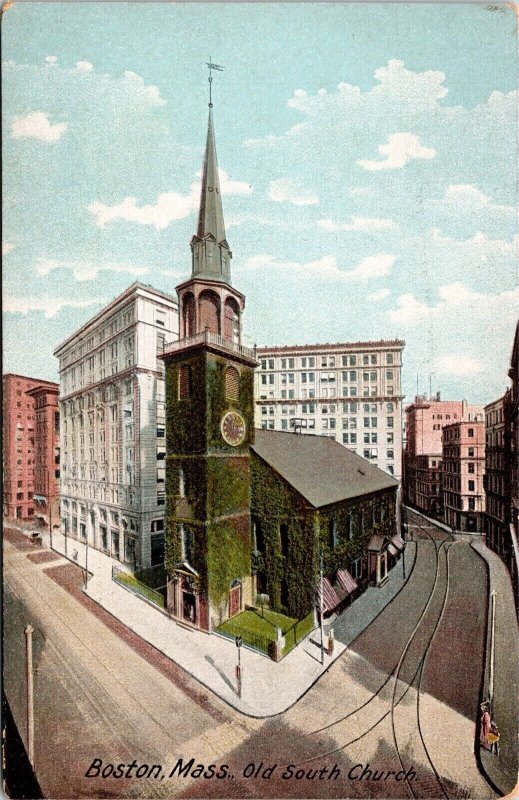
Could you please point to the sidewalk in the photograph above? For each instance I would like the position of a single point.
(268, 688)
(501, 769)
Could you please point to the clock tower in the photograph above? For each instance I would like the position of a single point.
(209, 429)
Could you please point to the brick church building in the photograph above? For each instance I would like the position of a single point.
(251, 511)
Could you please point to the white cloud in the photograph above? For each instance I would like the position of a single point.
(7, 247)
(453, 298)
(400, 148)
(51, 59)
(284, 190)
(84, 66)
(359, 191)
(457, 365)
(36, 125)
(372, 267)
(49, 305)
(169, 206)
(467, 197)
(84, 270)
(326, 268)
(367, 224)
(377, 297)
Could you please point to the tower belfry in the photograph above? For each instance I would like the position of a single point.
(209, 427)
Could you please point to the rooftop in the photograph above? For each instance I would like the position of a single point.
(320, 469)
(135, 287)
(302, 348)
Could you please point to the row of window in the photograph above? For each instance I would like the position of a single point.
(327, 361)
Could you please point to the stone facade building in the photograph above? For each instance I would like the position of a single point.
(249, 510)
(112, 431)
(463, 468)
(29, 446)
(350, 392)
(497, 480)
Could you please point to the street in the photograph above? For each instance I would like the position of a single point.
(402, 699)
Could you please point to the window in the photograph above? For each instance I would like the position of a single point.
(373, 359)
(471, 452)
(390, 453)
(389, 358)
(472, 503)
(390, 422)
(389, 374)
(232, 382)
(470, 432)
(389, 408)
(472, 486)
(161, 498)
(184, 382)
(470, 469)
(160, 317)
(161, 431)
(390, 468)
(332, 533)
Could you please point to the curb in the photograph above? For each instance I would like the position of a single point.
(500, 790)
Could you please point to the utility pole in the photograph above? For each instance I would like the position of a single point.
(321, 605)
(29, 630)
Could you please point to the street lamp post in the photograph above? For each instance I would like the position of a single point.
(29, 630)
(321, 606)
(238, 641)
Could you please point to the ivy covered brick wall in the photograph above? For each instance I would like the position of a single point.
(369, 515)
(216, 476)
(273, 503)
(228, 558)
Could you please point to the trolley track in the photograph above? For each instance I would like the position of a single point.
(440, 545)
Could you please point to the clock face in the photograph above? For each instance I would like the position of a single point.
(233, 428)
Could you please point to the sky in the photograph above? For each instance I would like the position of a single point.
(368, 164)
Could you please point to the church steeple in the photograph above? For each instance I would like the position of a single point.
(211, 253)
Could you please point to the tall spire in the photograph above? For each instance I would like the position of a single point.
(210, 217)
(211, 254)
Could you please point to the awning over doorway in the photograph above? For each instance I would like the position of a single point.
(328, 595)
(345, 580)
(398, 542)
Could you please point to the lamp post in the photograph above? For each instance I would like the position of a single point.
(238, 641)
(29, 630)
(321, 605)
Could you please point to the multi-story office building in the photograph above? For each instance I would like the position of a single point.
(463, 467)
(46, 454)
(21, 440)
(512, 448)
(350, 392)
(112, 430)
(425, 420)
(497, 478)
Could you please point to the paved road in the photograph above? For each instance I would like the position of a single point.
(401, 699)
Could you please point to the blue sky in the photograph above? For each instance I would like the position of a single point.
(369, 172)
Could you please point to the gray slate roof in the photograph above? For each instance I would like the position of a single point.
(319, 468)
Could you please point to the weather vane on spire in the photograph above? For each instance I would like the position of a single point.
(216, 67)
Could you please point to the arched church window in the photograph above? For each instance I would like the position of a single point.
(232, 383)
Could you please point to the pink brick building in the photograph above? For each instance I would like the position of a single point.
(19, 450)
(463, 468)
(425, 420)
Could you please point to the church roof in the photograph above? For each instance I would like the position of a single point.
(319, 468)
